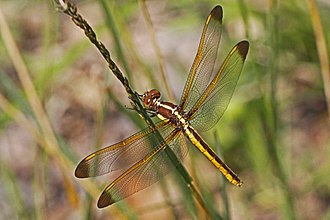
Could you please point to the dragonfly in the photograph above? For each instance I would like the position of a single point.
(205, 97)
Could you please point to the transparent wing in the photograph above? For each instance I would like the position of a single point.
(146, 172)
(122, 154)
(202, 68)
(216, 97)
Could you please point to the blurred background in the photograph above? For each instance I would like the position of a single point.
(59, 102)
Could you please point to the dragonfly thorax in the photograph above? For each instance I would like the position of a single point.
(173, 113)
(164, 110)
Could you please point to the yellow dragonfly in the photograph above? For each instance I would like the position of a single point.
(205, 98)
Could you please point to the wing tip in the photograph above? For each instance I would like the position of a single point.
(243, 48)
(217, 13)
(104, 201)
(79, 172)
(83, 170)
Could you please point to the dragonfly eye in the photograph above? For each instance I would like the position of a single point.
(155, 94)
(147, 102)
(149, 98)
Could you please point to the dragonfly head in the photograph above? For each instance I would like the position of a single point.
(150, 99)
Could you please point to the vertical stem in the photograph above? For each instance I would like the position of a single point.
(321, 46)
(223, 181)
(275, 148)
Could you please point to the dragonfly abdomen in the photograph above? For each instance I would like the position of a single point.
(203, 147)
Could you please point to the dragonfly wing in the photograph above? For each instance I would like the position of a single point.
(146, 172)
(122, 154)
(216, 97)
(202, 68)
